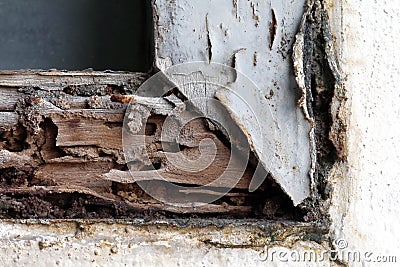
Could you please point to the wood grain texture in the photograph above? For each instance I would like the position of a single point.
(59, 80)
(8, 120)
(60, 144)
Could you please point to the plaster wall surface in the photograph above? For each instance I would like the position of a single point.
(365, 208)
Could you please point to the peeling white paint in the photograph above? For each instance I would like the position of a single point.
(238, 34)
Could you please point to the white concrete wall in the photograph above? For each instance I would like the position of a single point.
(101, 244)
(366, 200)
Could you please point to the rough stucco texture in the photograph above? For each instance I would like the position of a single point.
(365, 208)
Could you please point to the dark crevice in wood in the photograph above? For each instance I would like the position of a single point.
(14, 139)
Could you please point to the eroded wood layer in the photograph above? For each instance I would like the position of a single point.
(61, 154)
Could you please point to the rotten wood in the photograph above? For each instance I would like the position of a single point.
(59, 80)
(8, 120)
(9, 98)
(57, 190)
(61, 142)
(75, 143)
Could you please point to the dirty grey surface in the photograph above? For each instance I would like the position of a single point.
(75, 35)
(55, 243)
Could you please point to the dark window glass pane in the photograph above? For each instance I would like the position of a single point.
(75, 34)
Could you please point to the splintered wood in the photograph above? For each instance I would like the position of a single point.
(61, 153)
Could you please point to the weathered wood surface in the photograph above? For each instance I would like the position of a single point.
(8, 120)
(9, 98)
(59, 80)
(61, 139)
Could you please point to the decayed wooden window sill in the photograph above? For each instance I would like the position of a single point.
(61, 154)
